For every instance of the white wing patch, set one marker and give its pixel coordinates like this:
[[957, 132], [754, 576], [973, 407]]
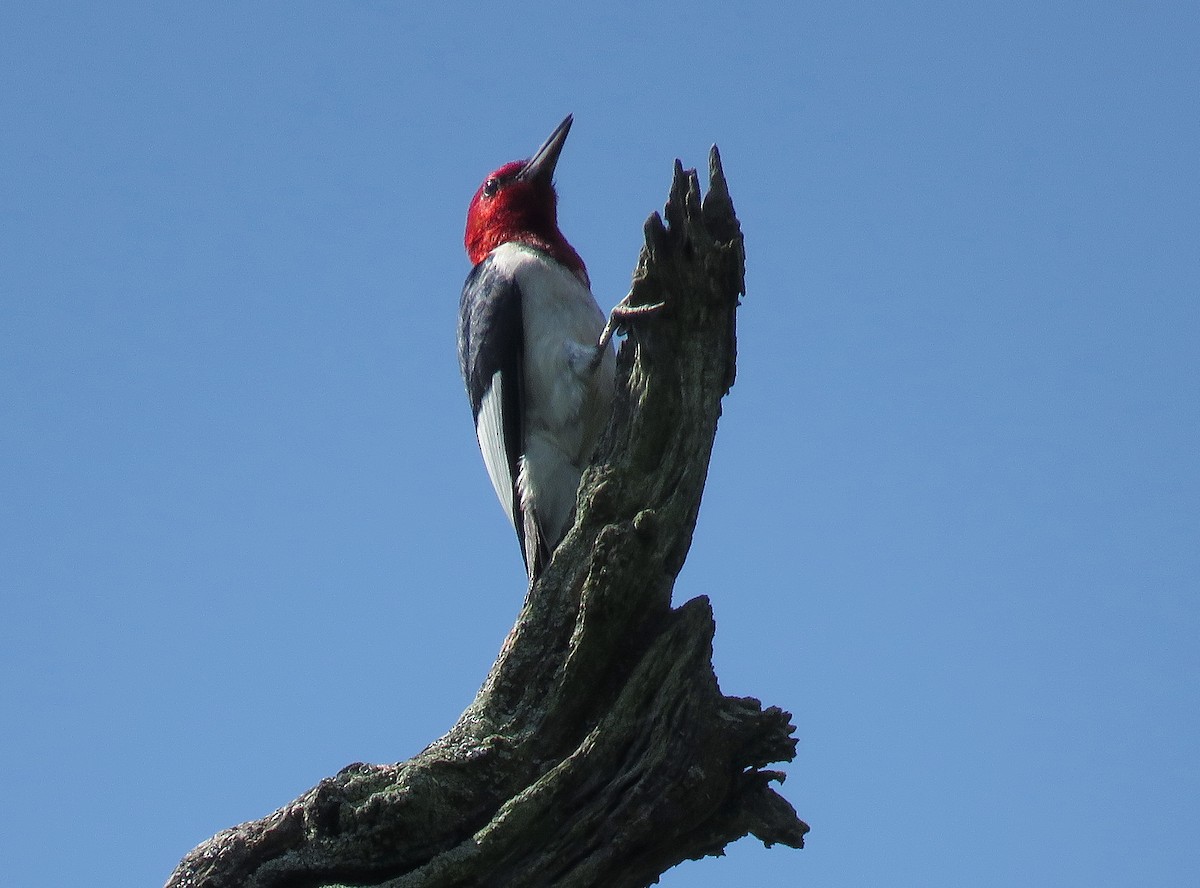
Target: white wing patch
[[489, 428]]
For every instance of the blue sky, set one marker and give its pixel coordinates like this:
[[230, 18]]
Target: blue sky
[[953, 514]]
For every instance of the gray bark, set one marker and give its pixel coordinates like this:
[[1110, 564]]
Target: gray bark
[[600, 750]]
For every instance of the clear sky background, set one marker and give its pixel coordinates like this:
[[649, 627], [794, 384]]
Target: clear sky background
[[953, 516]]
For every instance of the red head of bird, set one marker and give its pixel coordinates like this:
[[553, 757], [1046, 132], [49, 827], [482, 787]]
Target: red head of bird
[[517, 202]]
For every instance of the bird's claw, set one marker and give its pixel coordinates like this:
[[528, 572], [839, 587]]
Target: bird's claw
[[618, 321]]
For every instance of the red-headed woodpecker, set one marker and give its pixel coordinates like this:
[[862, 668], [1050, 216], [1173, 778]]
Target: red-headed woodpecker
[[534, 350]]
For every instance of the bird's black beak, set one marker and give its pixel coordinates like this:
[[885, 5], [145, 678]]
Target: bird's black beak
[[540, 167]]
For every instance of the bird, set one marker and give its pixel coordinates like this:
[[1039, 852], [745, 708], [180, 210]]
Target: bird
[[534, 349]]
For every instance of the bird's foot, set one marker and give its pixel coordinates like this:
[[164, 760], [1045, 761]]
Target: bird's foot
[[619, 320]]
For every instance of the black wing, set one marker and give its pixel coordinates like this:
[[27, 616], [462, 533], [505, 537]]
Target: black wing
[[490, 350]]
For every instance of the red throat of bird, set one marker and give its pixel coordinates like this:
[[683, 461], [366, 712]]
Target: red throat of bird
[[507, 208]]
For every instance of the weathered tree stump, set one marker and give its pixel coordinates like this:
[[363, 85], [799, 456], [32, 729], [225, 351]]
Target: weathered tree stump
[[600, 750]]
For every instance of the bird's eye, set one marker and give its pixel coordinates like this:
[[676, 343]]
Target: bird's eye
[[491, 186]]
